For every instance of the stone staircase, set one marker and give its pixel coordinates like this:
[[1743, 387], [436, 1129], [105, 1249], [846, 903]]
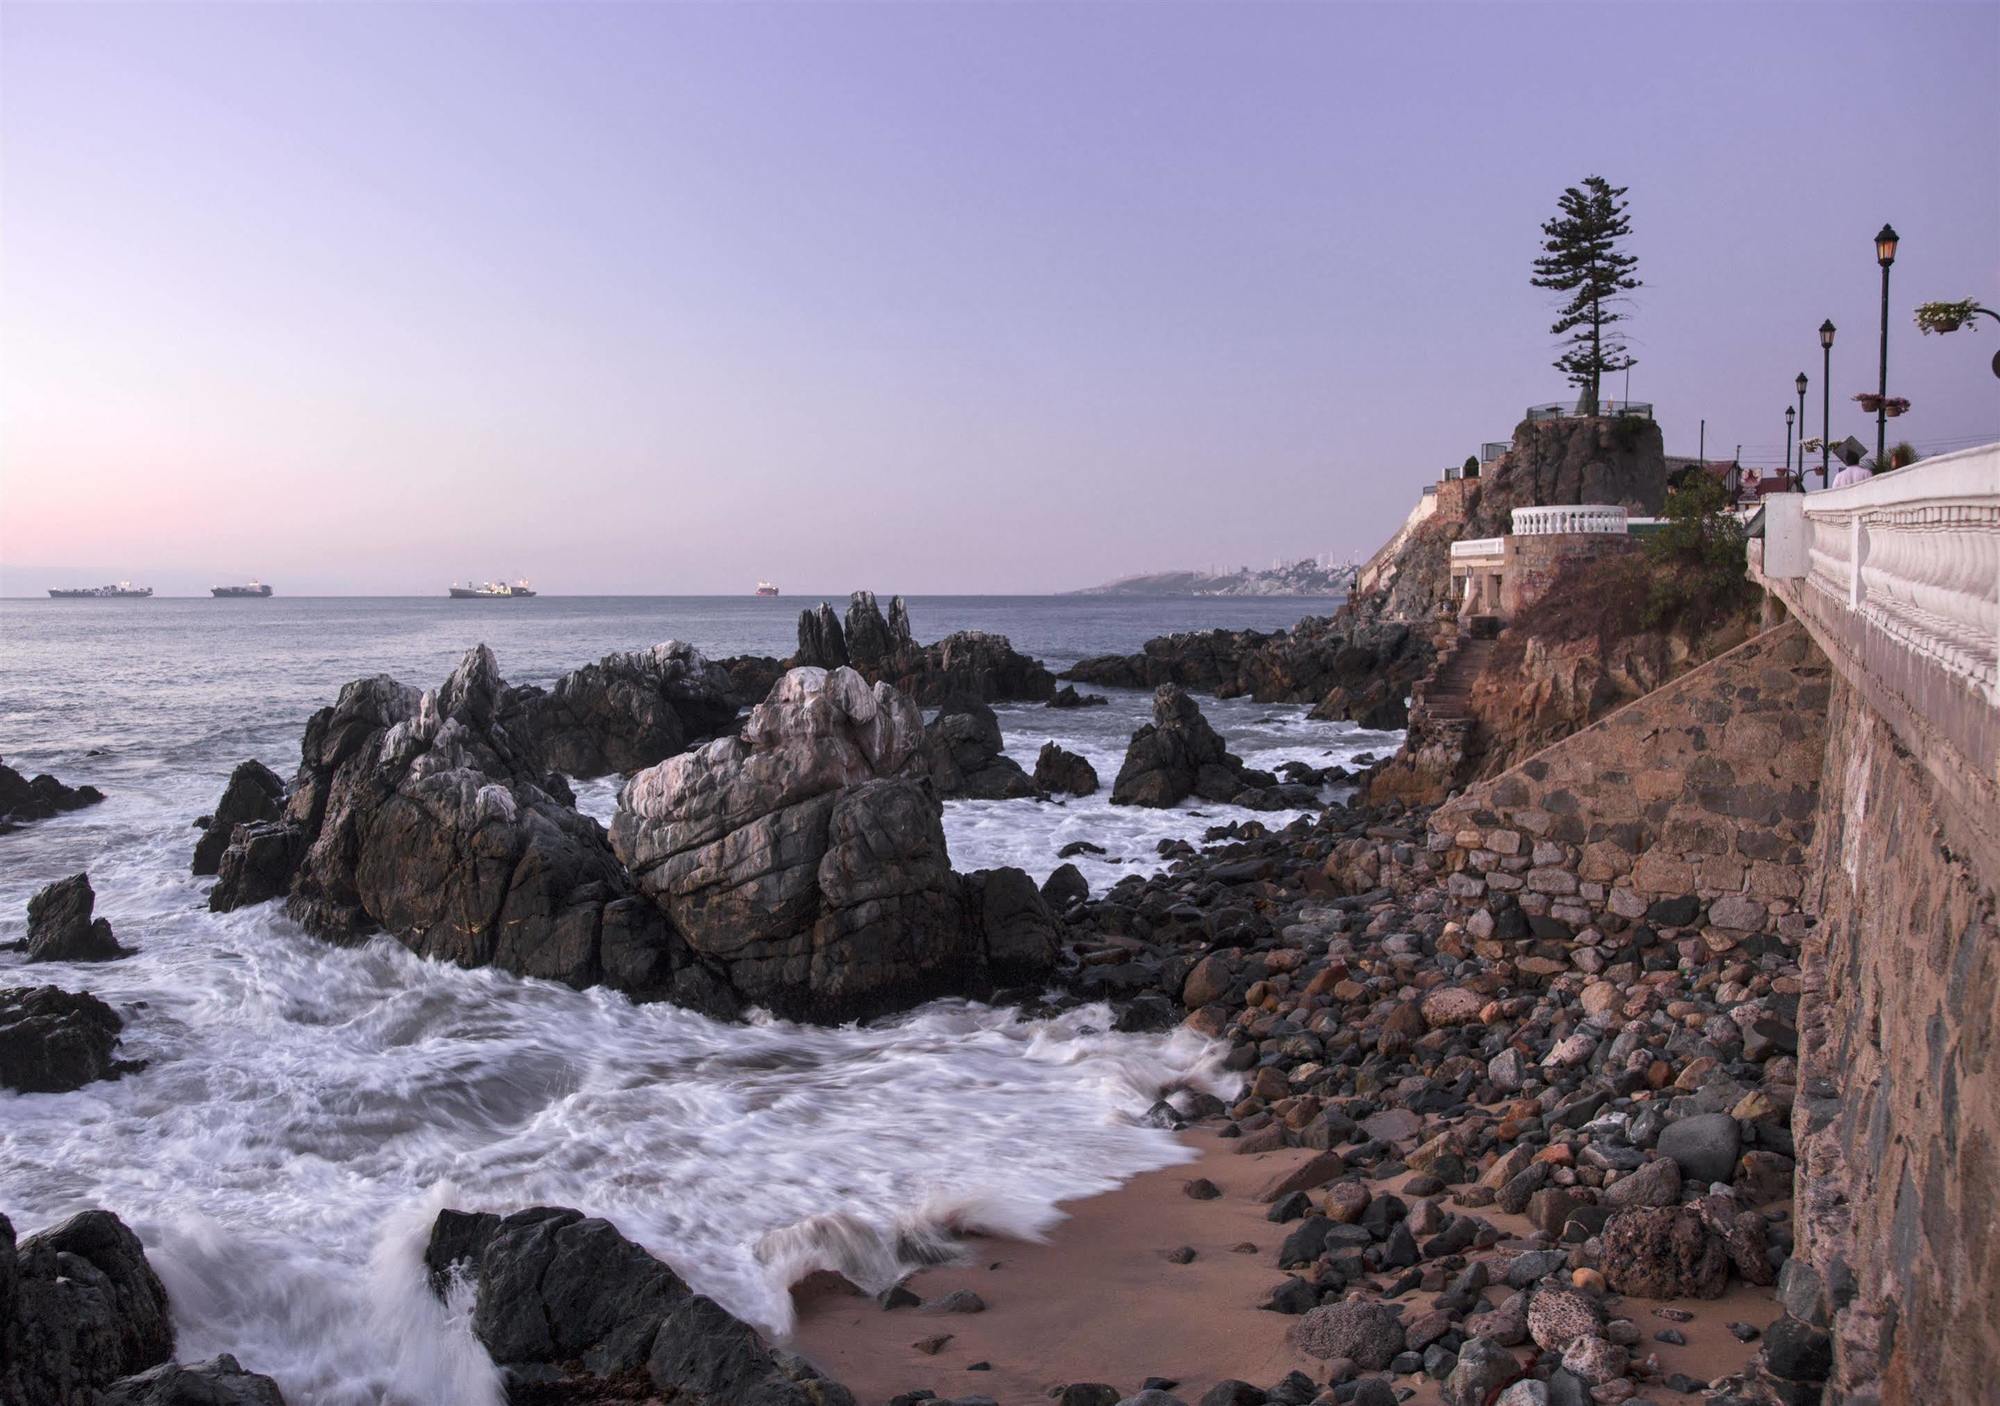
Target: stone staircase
[[1447, 692]]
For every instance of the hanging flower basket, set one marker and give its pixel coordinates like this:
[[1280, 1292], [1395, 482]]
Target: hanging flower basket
[[1895, 405], [1946, 316], [1869, 401]]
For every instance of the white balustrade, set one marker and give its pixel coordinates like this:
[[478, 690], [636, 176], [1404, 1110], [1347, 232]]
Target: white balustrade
[[1916, 553], [1477, 547], [1570, 517]]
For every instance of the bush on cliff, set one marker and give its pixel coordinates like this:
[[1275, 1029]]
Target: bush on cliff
[[1697, 560]]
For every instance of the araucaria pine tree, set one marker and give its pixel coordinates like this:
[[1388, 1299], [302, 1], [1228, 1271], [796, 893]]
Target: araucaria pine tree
[[1581, 258]]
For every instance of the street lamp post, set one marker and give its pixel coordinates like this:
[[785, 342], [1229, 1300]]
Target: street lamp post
[[1788, 440], [1799, 483], [1885, 255], [1825, 398]]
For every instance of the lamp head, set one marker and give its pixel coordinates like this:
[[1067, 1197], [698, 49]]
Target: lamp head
[[1790, 415], [1801, 383], [1826, 334], [1885, 246]]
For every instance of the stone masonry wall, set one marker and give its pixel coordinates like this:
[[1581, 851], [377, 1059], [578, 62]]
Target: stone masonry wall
[[1691, 808], [1898, 1122], [1533, 561]]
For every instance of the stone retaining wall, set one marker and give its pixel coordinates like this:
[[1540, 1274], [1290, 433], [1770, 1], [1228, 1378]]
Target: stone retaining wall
[[1898, 1123], [1691, 808]]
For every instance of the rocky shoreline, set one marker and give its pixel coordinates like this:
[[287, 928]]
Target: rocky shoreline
[[1511, 1127]]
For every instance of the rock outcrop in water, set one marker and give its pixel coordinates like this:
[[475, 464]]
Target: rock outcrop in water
[[422, 815], [568, 1306], [53, 1041], [61, 928], [881, 649], [962, 757], [624, 712], [84, 1322], [799, 858], [1350, 666], [1178, 755], [1059, 770], [23, 800], [254, 795]]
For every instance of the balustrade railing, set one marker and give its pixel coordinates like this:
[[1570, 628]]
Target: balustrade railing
[[1571, 517], [1476, 547], [1916, 555]]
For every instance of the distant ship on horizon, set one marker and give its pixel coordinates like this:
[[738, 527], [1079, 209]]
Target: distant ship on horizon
[[122, 590], [254, 589], [765, 588], [491, 590]]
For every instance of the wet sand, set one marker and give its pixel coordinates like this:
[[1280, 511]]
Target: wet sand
[[1099, 1301]]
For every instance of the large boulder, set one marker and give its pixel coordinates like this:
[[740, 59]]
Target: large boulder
[[79, 1308], [962, 755], [624, 712], [801, 860], [254, 795], [258, 865], [560, 1299], [61, 928], [220, 1381], [52, 1041], [421, 814], [1366, 1331], [23, 800], [1178, 755], [1059, 770], [1664, 1252]]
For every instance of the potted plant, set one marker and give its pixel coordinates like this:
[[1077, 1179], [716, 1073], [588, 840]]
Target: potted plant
[[1949, 316], [1895, 405], [1869, 401]]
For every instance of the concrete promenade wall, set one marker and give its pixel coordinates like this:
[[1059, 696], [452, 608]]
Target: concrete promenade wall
[[1692, 807], [1898, 1119]]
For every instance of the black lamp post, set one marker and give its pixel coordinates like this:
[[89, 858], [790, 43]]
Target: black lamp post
[[1885, 255], [1799, 483], [1788, 440], [1825, 398]]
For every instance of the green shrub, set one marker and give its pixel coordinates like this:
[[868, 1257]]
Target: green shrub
[[1697, 559]]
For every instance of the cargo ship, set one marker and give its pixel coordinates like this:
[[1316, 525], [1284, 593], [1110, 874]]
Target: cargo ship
[[123, 590], [491, 590], [765, 588], [255, 590]]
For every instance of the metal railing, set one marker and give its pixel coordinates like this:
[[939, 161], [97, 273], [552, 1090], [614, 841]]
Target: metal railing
[[1570, 517], [1492, 449], [1573, 410]]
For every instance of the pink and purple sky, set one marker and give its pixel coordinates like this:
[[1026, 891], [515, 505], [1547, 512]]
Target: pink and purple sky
[[966, 297]]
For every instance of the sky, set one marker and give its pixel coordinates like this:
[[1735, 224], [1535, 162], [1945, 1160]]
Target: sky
[[666, 298]]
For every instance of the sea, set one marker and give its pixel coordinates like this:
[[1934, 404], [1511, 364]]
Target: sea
[[307, 1109]]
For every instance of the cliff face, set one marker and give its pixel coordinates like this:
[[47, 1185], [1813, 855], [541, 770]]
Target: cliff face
[[1600, 460]]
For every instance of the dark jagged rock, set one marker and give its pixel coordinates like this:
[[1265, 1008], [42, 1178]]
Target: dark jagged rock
[[79, 1308], [422, 815], [1350, 665], [751, 676], [799, 858], [23, 800], [822, 642], [560, 1300], [61, 929], [52, 1041], [1059, 770], [1665, 1252], [1064, 888], [1178, 755], [254, 795], [1068, 697], [881, 649], [220, 1381], [258, 865], [1572, 460], [624, 712], [962, 756]]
